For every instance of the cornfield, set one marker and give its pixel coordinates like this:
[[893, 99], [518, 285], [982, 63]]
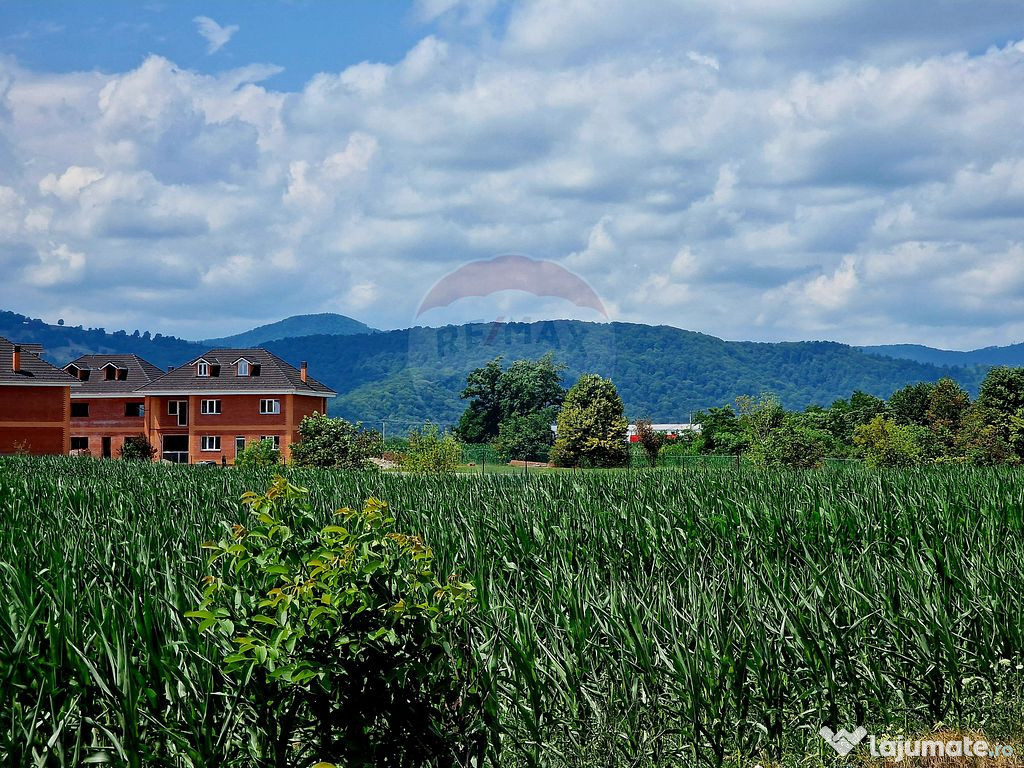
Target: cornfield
[[649, 618]]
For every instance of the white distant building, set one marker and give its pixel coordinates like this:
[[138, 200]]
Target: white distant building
[[671, 430]]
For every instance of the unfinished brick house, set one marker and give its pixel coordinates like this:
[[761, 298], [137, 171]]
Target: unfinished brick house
[[35, 402], [106, 407], [215, 405]]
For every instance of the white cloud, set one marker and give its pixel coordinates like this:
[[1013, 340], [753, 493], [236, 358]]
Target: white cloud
[[70, 183], [215, 35], [760, 170], [59, 265]]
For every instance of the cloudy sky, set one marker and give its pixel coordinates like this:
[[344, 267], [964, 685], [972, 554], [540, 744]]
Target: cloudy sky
[[753, 169]]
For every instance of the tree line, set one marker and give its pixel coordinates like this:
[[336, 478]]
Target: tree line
[[513, 409]]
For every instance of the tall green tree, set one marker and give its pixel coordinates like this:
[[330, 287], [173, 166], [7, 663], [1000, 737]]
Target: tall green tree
[[909, 405], [1001, 396], [947, 406], [721, 431], [591, 426], [480, 421], [531, 386], [526, 387]]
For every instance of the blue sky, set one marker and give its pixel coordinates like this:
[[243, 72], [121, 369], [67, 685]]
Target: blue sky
[[302, 37], [753, 169]]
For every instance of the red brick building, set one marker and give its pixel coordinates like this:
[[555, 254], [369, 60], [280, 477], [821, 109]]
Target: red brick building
[[35, 402], [106, 407], [215, 405]]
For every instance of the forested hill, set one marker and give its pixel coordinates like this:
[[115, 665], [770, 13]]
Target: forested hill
[[662, 372], [298, 325], [63, 343], [411, 375], [1012, 355]]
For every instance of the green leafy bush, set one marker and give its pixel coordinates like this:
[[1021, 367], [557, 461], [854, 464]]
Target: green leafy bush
[[348, 640], [888, 444], [332, 443], [258, 454], [431, 450], [527, 437], [137, 448]]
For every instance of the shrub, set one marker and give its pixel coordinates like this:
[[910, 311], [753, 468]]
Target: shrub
[[888, 444], [673, 453], [526, 437], [137, 448], [349, 639], [796, 446], [649, 440], [259, 454], [430, 450], [331, 443]]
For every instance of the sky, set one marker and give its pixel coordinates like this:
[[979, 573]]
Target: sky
[[753, 169]]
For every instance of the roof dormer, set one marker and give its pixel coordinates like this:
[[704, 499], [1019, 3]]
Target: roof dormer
[[80, 372], [114, 372]]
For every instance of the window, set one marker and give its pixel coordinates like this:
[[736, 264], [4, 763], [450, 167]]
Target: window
[[210, 407], [110, 373], [275, 439], [80, 410], [178, 408], [79, 443], [210, 442], [243, 367], [203, 369], [134, 410], [270, 406]]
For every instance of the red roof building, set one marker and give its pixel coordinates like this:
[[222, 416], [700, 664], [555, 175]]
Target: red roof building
[[214, 406], [35, 402], [106, 407]]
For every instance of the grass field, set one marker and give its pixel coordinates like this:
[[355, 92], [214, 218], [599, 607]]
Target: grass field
[[646, 618]]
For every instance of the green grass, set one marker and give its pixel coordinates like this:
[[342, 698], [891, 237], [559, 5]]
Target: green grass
[[642, 618]]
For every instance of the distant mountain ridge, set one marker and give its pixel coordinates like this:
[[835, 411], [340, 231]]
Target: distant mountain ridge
[[1012, 355], [325, 323], [663, 373]]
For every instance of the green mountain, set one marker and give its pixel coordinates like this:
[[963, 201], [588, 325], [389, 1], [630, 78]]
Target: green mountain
[[63, 343], [987, 356], [411, 375], [298, 325], [663, 373]]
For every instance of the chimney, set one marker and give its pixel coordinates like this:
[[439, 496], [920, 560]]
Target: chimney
[[303, 371], [16, 358]]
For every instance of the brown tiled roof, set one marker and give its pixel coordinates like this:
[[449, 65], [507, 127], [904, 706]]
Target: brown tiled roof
[[275, 375], [138, 372], [33, 369]]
